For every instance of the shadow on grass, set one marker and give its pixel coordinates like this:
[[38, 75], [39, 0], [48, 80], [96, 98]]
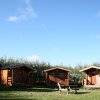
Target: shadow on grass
[[82, 93], [32, 89], [42, 90], [15, 98]]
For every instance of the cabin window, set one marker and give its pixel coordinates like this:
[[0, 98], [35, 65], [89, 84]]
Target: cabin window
[[53, 74], [61, 74], [9, 73], [94, 73], [99, 72], [22, 73]]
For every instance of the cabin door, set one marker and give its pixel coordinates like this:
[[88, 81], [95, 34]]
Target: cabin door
[[93, 80], [9, 78]]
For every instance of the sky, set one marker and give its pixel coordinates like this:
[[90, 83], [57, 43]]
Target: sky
[[56, 31]]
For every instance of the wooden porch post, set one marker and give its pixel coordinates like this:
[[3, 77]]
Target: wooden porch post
[[68, 79], [86, 79], [46, 78], [0, 73], [7, 77], [12, 77], [0, 76], [82, 79]]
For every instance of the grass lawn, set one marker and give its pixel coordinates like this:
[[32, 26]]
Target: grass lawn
[[38, 93]]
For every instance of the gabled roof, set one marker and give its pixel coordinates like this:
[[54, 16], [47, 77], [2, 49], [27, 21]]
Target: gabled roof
[[56, 68], [17, 66], [95, 67]]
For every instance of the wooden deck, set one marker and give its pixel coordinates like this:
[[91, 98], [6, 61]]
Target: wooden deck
[[92, 86]]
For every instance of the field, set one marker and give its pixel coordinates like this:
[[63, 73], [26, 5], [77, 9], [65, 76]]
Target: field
[[38, 93]]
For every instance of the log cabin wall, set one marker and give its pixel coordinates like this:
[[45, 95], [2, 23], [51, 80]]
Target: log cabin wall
[[21, 76], [0, 72], [92, 77], [4, 77], [57, 76], [16, 76], [98, 78]]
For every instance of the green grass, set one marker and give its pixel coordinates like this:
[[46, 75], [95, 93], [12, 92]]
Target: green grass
[[38, 93]]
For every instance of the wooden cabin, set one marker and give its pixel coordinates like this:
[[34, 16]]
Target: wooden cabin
[[16, 75], [92, 76], [57, 75]]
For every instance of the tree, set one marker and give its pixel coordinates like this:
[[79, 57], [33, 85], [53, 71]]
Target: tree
[[39, 76]]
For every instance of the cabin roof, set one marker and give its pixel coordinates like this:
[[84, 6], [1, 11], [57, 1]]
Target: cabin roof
[[85, 69], [17, 66], [47, 70]]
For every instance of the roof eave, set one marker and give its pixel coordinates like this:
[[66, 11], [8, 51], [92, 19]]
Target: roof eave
[[56, 68], [83, 70]]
